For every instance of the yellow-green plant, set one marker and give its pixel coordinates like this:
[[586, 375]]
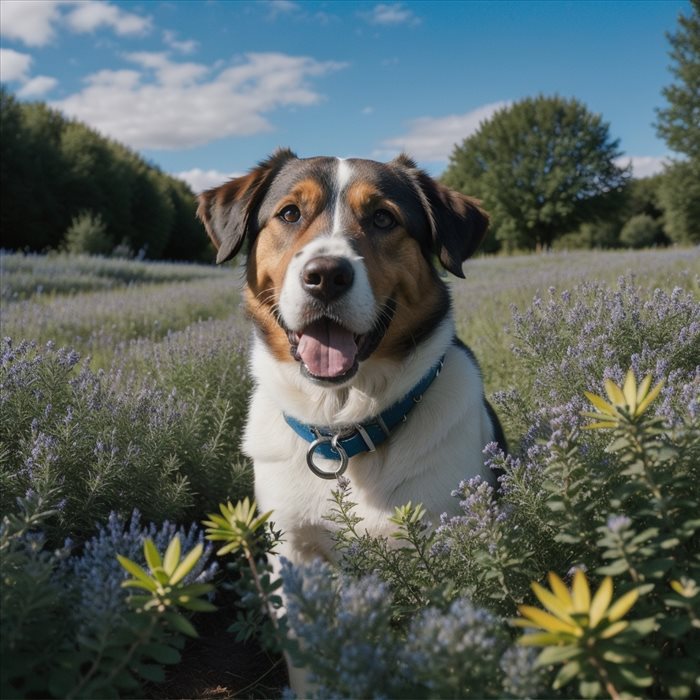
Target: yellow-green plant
[[164, 586], [627, 403], [241, 529], [579, 630]]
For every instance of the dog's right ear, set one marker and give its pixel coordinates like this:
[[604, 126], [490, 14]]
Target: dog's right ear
[[227, 211]]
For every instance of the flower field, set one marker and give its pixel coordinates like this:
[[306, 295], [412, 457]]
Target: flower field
[[124, 389]]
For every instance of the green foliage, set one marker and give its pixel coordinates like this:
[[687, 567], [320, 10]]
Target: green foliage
[[679, 123], [541, 167], [641, 231], [679, 195], [630, 514], [87, 233], [64, 426], [163, 583], [591, 234], [50, 651], [53, 168]]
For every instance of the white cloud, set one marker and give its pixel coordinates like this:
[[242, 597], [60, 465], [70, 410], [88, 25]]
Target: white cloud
[[89, 15], [185, 46], [200, 180], [643, 166], [38, 86], [391, 14], [166, 71], [14, 65], [35, 22], [281, 7], [433, 138], [179, 105], [29, 21]]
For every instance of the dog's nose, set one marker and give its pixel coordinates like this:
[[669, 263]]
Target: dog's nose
[[326, 277]]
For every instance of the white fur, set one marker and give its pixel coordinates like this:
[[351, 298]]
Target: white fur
[[343, 174], [425, 459], [357, 307]]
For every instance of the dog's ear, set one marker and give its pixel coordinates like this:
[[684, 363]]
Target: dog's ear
[[457, 223], [227, 211]]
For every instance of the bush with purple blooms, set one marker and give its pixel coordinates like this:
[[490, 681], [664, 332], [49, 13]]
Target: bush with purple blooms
[[68, 630], [166, 444], [432, 611], [428, 613]]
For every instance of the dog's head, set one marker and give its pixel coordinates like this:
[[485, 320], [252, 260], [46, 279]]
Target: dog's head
[[340, 255]]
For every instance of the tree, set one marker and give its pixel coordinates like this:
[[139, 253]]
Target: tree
[[641, 231], [679, 195], [52, 170], [542, 167], [679, 125]]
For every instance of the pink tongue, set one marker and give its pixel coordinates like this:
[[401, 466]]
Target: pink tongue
[[327, 349]]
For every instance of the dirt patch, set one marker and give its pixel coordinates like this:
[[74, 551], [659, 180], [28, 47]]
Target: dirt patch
[[215, 666]]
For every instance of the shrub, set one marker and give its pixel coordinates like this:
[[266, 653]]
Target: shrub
[[87, 233], [69, 629], [426, 612], [572, 341], [426, 616], [65, 427], [641, 231]]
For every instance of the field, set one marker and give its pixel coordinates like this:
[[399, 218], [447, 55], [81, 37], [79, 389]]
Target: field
[[125, 384]]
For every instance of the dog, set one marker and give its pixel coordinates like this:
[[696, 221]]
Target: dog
[[356, 364]]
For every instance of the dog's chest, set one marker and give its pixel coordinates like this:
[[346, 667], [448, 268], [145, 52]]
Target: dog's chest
[[424, 460]]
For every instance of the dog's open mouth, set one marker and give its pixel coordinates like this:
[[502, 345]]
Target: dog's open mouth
[[330, 352], [327, 350]]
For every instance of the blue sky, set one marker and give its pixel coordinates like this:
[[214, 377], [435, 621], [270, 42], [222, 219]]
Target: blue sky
[[206, 89]]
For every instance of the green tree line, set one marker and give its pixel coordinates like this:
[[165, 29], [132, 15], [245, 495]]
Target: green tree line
[[64, 186], [547, 169]]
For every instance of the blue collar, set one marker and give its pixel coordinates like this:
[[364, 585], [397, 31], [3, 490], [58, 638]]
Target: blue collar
[[342, 443]]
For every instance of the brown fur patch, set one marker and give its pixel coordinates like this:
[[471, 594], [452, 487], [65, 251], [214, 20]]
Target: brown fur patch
[[270, 256], [396, 265], [397, 269]]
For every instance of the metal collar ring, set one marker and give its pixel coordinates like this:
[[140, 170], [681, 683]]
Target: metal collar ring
[[337, 447]]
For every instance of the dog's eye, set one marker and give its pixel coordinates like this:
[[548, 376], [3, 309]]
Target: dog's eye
[[290, 214], [383, 219]]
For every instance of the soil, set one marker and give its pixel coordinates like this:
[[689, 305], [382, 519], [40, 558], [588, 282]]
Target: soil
[[215, 666]]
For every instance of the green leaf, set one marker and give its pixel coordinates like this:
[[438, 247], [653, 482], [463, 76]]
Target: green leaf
[[553, 655], [589, 689], [172, 555], [195, 589], [61, 681], [566, 674], [133, 568], [196, 604], [180, 623], [152, 556], [636, 675], [124, 679], [162, 653], [614, 569], [187, 564], [150, 672], [145, 585], [641, 627]]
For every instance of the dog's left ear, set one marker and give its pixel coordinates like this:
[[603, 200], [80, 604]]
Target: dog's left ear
[[226, 211], [458, 223]]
